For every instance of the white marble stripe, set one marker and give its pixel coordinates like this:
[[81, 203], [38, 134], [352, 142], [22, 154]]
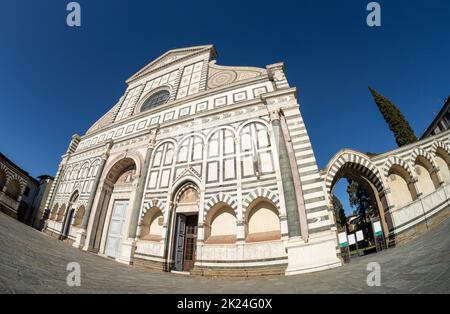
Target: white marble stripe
[[301, 137], [316, 204], [306, 160], [312, 186], [313, 195], [294, 133], [317, 214], [302, 145], [310, 177], [319, 224]]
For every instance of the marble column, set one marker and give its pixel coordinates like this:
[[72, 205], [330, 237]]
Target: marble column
[[293, 218], [52, 194], [141, 186], [296, 178], [81, 234]]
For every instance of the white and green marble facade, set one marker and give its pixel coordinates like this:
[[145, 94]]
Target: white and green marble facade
[[235, 135], [215, 132]]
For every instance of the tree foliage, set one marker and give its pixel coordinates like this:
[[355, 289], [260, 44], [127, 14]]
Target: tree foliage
[[360, 199], [398, 124], [339, 213], [364, 206]]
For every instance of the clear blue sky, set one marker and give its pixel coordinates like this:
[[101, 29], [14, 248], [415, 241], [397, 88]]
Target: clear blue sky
[[56, 80]]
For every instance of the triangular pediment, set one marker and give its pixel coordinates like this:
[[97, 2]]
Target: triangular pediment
[[171, 57], [188, 172]]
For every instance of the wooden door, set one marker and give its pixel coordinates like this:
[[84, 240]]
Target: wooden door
[[190, 243], [179, 242]]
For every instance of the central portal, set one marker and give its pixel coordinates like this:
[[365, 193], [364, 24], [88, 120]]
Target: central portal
[[186, 225]]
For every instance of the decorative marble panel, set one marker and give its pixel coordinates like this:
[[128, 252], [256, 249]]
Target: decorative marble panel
[[221, 101], [201, 106], [241, 96]]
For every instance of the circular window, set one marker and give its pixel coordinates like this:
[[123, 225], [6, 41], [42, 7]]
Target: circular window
[[156, 99]]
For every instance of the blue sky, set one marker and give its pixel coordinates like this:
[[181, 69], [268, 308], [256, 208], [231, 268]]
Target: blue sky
[[56, 80]]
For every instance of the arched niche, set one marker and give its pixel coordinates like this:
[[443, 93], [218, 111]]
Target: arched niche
[[262, 221], [220, 225], [78, 218], [442, 159], [152, 225], [426, 177], [401, 186], [61, 213]]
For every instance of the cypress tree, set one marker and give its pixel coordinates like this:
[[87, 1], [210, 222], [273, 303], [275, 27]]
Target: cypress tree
[[403, 132], [339, 213]]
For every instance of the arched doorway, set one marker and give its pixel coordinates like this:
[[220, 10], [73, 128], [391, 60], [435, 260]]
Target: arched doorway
[[185, 227], [65, 230], [108, 228], [369, 202]]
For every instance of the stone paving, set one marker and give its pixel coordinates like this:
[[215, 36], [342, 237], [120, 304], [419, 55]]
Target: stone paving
[[32, 262]]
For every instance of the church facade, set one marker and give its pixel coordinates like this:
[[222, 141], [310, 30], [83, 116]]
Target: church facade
[[198, 168], [209, 170]]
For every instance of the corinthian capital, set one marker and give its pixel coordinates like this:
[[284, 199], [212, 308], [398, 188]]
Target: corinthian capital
[[274, 115], [152, 137]]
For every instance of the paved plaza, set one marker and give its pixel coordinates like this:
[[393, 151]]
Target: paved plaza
[[32, 262]]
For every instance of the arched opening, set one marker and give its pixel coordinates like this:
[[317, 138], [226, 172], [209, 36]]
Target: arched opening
[[426, 176], [152, 225], [114, 200], [402, 187], [443, 162], [61, 213], [13, 189], [185, 216], [364, 218], [262, 221], [220, 225], [65, 231], [54, 212], [78, 219], [2, 179]]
